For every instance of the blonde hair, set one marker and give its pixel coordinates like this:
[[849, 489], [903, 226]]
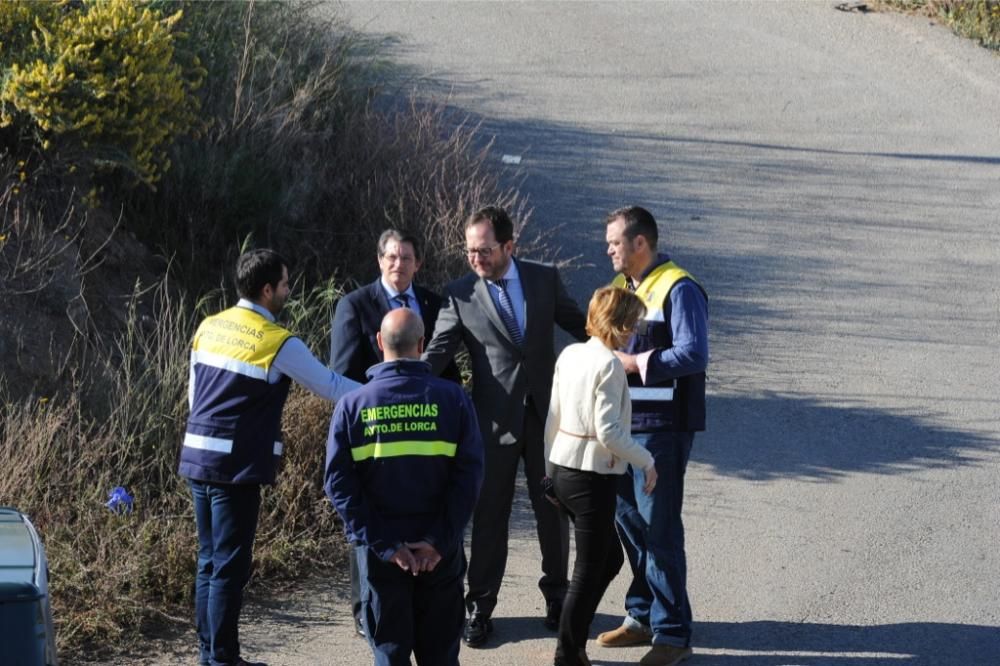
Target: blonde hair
[[612, 314]]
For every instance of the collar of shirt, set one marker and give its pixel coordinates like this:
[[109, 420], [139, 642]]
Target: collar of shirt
[[393, 293], [511, 275], [259, 309], [661, 258], [401, 366]]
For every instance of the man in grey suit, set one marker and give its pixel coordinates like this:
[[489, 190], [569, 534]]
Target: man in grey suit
[[505, 312]]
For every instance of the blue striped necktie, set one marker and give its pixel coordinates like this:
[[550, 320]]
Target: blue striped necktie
[[507, 313], [404, 300]]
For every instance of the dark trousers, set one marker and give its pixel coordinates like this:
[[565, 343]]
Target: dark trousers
[[589, 498], [352, 564], [652, 532], [491, 521], [405, 614], [227, 522]]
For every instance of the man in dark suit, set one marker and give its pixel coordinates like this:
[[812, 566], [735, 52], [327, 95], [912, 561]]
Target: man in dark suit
[[356, 321], [505, 312]]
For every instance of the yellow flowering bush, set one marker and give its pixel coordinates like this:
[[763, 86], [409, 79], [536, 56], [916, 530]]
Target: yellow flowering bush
[[98, 79]]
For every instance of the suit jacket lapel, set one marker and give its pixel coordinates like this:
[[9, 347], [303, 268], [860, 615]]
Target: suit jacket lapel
[[380, 298], [482, 295], [425, 309]]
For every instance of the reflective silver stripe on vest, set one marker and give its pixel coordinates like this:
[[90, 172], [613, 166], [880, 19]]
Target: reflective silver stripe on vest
[[208, 443], [219, 445], [230, 364], [646, 393]]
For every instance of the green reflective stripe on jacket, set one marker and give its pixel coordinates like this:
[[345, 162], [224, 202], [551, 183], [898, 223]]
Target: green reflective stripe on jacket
[[406, 448]]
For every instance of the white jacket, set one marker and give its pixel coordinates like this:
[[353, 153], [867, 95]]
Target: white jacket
[[590, 413]]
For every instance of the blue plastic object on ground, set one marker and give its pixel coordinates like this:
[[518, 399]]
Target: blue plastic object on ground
[[119, 500]]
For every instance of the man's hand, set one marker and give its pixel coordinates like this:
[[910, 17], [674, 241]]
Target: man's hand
[[425, 555], [628, 360], [404, 559]]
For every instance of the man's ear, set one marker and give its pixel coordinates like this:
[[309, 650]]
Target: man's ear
[[420, 345], [378, 339], [266, 294]]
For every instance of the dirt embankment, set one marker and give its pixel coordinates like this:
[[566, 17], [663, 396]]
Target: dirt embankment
[[66, 292]]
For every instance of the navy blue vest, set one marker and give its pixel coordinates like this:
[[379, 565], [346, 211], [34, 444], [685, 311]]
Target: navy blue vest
[[234, 429], [684, 410]]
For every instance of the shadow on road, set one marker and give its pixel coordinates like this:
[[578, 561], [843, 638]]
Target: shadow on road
[[773, 643], [776, 436]]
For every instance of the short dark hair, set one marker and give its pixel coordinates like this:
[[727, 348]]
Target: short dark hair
[[503, 228], [400, 237], [256, 268], [638, 222]]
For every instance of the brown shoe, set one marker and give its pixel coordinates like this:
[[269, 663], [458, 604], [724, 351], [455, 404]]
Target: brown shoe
[[623, 637], [665, 655]]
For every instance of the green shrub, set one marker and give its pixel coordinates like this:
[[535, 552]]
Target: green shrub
[[97, 83]]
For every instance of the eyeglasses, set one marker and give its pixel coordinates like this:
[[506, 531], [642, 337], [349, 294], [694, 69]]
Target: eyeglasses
[[401, 258], [483, 252]]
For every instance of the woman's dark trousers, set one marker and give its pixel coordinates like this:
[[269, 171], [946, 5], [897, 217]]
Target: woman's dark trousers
[[589, 499]]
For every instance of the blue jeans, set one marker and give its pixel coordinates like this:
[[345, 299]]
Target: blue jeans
[[227, 522], [652, 532], [405, 614]]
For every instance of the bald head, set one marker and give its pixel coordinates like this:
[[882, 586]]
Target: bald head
[[401, 335]]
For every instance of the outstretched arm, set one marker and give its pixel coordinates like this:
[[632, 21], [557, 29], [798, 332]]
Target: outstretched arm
[[443, 344]]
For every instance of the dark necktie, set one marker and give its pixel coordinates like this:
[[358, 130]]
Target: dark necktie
[[403, 300], [507, 313]]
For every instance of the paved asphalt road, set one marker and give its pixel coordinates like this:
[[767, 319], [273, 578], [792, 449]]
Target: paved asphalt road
[[834, 180]]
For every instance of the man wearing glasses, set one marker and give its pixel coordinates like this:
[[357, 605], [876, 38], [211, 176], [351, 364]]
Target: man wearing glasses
[[505, 312], [356, 321]]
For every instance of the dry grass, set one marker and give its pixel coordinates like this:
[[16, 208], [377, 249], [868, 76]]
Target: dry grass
[[975, 19]]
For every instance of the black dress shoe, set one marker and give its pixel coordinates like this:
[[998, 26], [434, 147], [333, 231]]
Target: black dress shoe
[[477, 631], [359, 628], [553, 610]]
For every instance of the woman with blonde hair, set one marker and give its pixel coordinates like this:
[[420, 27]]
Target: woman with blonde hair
[[587, 447]]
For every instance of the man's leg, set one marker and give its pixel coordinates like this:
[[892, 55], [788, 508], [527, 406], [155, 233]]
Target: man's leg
[[438, 612], [488, 548], [234, 510], [551, 524], [352, 562], [203, 519], [387, 608], [666, 563], [632, 530]]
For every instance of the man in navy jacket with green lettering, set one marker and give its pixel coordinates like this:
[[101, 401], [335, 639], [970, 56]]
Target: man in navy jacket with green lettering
[[404, 466]]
